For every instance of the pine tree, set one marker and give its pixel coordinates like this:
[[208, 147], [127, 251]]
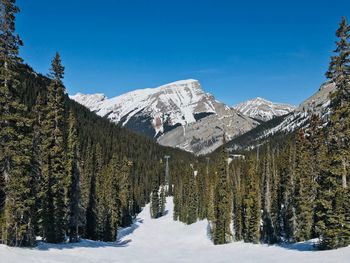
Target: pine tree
[[125, 193], [16, 209], [223, 204], [177, 190], [287, 191], [336, 213], [303, 190], [155, 202], [192, 200], [54, 173], [162, 199], [251, 206], [36, 160], [268, 231], [115, 203], [91, 231], [237, 200], [317, 154], [76, 219]]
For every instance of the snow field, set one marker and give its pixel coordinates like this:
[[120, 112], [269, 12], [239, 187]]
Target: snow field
[[163, 240]]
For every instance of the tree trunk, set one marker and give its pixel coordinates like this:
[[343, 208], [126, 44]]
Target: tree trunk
[[344, 175]]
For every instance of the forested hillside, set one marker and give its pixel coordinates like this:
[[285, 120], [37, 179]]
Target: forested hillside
[[66, 173], [290, 188], [63, 170]]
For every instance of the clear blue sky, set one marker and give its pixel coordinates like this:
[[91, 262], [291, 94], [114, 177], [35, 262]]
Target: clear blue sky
[[237, 49]]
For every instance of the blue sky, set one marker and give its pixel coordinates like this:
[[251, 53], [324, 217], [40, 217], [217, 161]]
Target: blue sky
[[238, 50]]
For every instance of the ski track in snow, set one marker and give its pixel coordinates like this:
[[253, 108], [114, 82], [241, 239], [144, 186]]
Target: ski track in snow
[[163, 240]]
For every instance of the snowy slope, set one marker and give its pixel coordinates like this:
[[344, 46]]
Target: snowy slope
[[179, 114], [262, 109], [171, 104], [317, 104], [163, 240]]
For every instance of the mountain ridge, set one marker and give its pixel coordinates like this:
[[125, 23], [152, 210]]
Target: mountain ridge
[[262, 109], [179, 114]]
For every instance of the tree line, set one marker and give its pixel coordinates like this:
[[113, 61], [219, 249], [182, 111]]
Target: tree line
[[281, 191], [65, 173]]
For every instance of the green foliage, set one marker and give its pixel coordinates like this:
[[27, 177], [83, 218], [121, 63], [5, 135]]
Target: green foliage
[[251, 205], [223, 205], [17, 200], [333, 208], [76, 212], [303, 190]]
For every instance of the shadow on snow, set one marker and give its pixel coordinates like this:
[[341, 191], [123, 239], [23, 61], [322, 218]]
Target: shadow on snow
[[85, 243]]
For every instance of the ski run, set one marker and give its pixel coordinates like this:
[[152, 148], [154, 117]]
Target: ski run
[[165, 240]]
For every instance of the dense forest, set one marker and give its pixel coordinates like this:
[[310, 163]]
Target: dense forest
[[64, 171], [288, 189]]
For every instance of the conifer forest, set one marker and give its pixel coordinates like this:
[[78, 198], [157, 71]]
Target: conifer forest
[[68, 174]]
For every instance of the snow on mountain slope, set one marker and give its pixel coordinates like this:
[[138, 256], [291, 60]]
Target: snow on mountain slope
[[262, 109], [179, 114], [164, 240], [177, 103], [317, 104]]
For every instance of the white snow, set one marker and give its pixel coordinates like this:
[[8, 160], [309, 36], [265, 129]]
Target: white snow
[[180, 100], [262, 109], [163, 240]]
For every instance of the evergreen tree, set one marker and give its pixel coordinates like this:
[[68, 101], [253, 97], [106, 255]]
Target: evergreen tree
[[76, 211], [268, 231], [16, 208], [162, 199], [336, 213], [223, 204], [251, 206], [155, 202], [54, 173], [192, 200], [125, 197], [237, 188], [303, 190], [36, 160], [91, 231]]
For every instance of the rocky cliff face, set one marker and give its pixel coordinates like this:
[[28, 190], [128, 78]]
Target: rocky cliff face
[[178, 114], [206, 135]]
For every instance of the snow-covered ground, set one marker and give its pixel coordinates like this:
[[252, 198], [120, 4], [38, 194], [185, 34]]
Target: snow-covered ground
[[163, 240]]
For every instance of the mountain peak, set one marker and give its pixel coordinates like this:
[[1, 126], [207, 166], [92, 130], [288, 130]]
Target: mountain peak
[[262, 109], [172, 104]]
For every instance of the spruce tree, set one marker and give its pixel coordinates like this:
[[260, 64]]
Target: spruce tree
[[16, 209], [125, 197], [76, 219], [268, 231], [36, 159], [192, 200], [336, 231], [237, 200], [155, 202], [251, 205], [223, 204], [162, 199], [91, 228], [303, 190], [54, 185]]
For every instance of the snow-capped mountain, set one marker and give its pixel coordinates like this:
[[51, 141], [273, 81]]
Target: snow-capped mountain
[[162, 108], [317, 104], [262, 109], [177, 107]]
